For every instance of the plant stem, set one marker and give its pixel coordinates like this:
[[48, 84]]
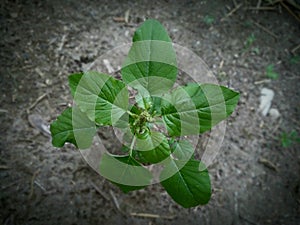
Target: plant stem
[[131, 114], [131, 145]]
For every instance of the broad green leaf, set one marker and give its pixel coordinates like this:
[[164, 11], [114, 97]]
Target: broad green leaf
[[151, 62], [151, 30], [125, 172], [143, 102], [153, 149], [103, 98], [72, 126], [188, 186], [195, 108], [183, 150], [74, 79]]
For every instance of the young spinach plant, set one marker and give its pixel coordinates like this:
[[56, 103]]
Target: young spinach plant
[[270, 73], [154, 126], [288, 139]]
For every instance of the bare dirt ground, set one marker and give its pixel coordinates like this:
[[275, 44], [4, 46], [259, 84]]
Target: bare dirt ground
[[255, 180]]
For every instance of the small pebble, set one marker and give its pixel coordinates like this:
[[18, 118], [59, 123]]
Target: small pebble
[[274, 114]]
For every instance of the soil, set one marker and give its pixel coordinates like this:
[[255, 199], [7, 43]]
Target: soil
[[255, 179]]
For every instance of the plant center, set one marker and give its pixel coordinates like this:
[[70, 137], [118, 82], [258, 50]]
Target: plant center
[[140, 126]]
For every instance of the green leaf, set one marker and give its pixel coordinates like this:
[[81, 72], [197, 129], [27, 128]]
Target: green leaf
[[288, 139], [74, 79], [125, 172], [295, 59], [271, 73], [188, 186], [153, 149], [209, 19], [151, 62], [103, 98], [183, 150], [72, 126], [151, 30], [195, 108], [249, 41]]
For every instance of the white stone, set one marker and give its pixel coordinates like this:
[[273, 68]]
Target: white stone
[[266, 98], [274, 113]]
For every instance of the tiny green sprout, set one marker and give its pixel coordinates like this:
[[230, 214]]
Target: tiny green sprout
[[256, 50], [208, 20], [249, 42], [270, 73], [247, 23], [295, 59], [155, 127], [288, 139]]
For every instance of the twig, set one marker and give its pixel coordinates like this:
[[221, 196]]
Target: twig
[[32, 184], [268, 164], [295, 49], [218, 190], [294, 3], [36, 102], [4, 167], [221, 64], [62, 42], [266, 30], [276, 127], [108, 66], [99, 191], [39, 72], [258, 5], [40, 186], [262, 81], [290, 11], [236, 207], [126, 17], [119, 19], [115, 200], [261, 8], [130, 25], [232, 11], [234, 3], [148, 215], [3, 111]]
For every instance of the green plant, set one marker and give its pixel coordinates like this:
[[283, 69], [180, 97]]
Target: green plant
[[209, 20], [101, 100], [255, 50], [295, 59], [249, 42], [270, 73], [288, 139]]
